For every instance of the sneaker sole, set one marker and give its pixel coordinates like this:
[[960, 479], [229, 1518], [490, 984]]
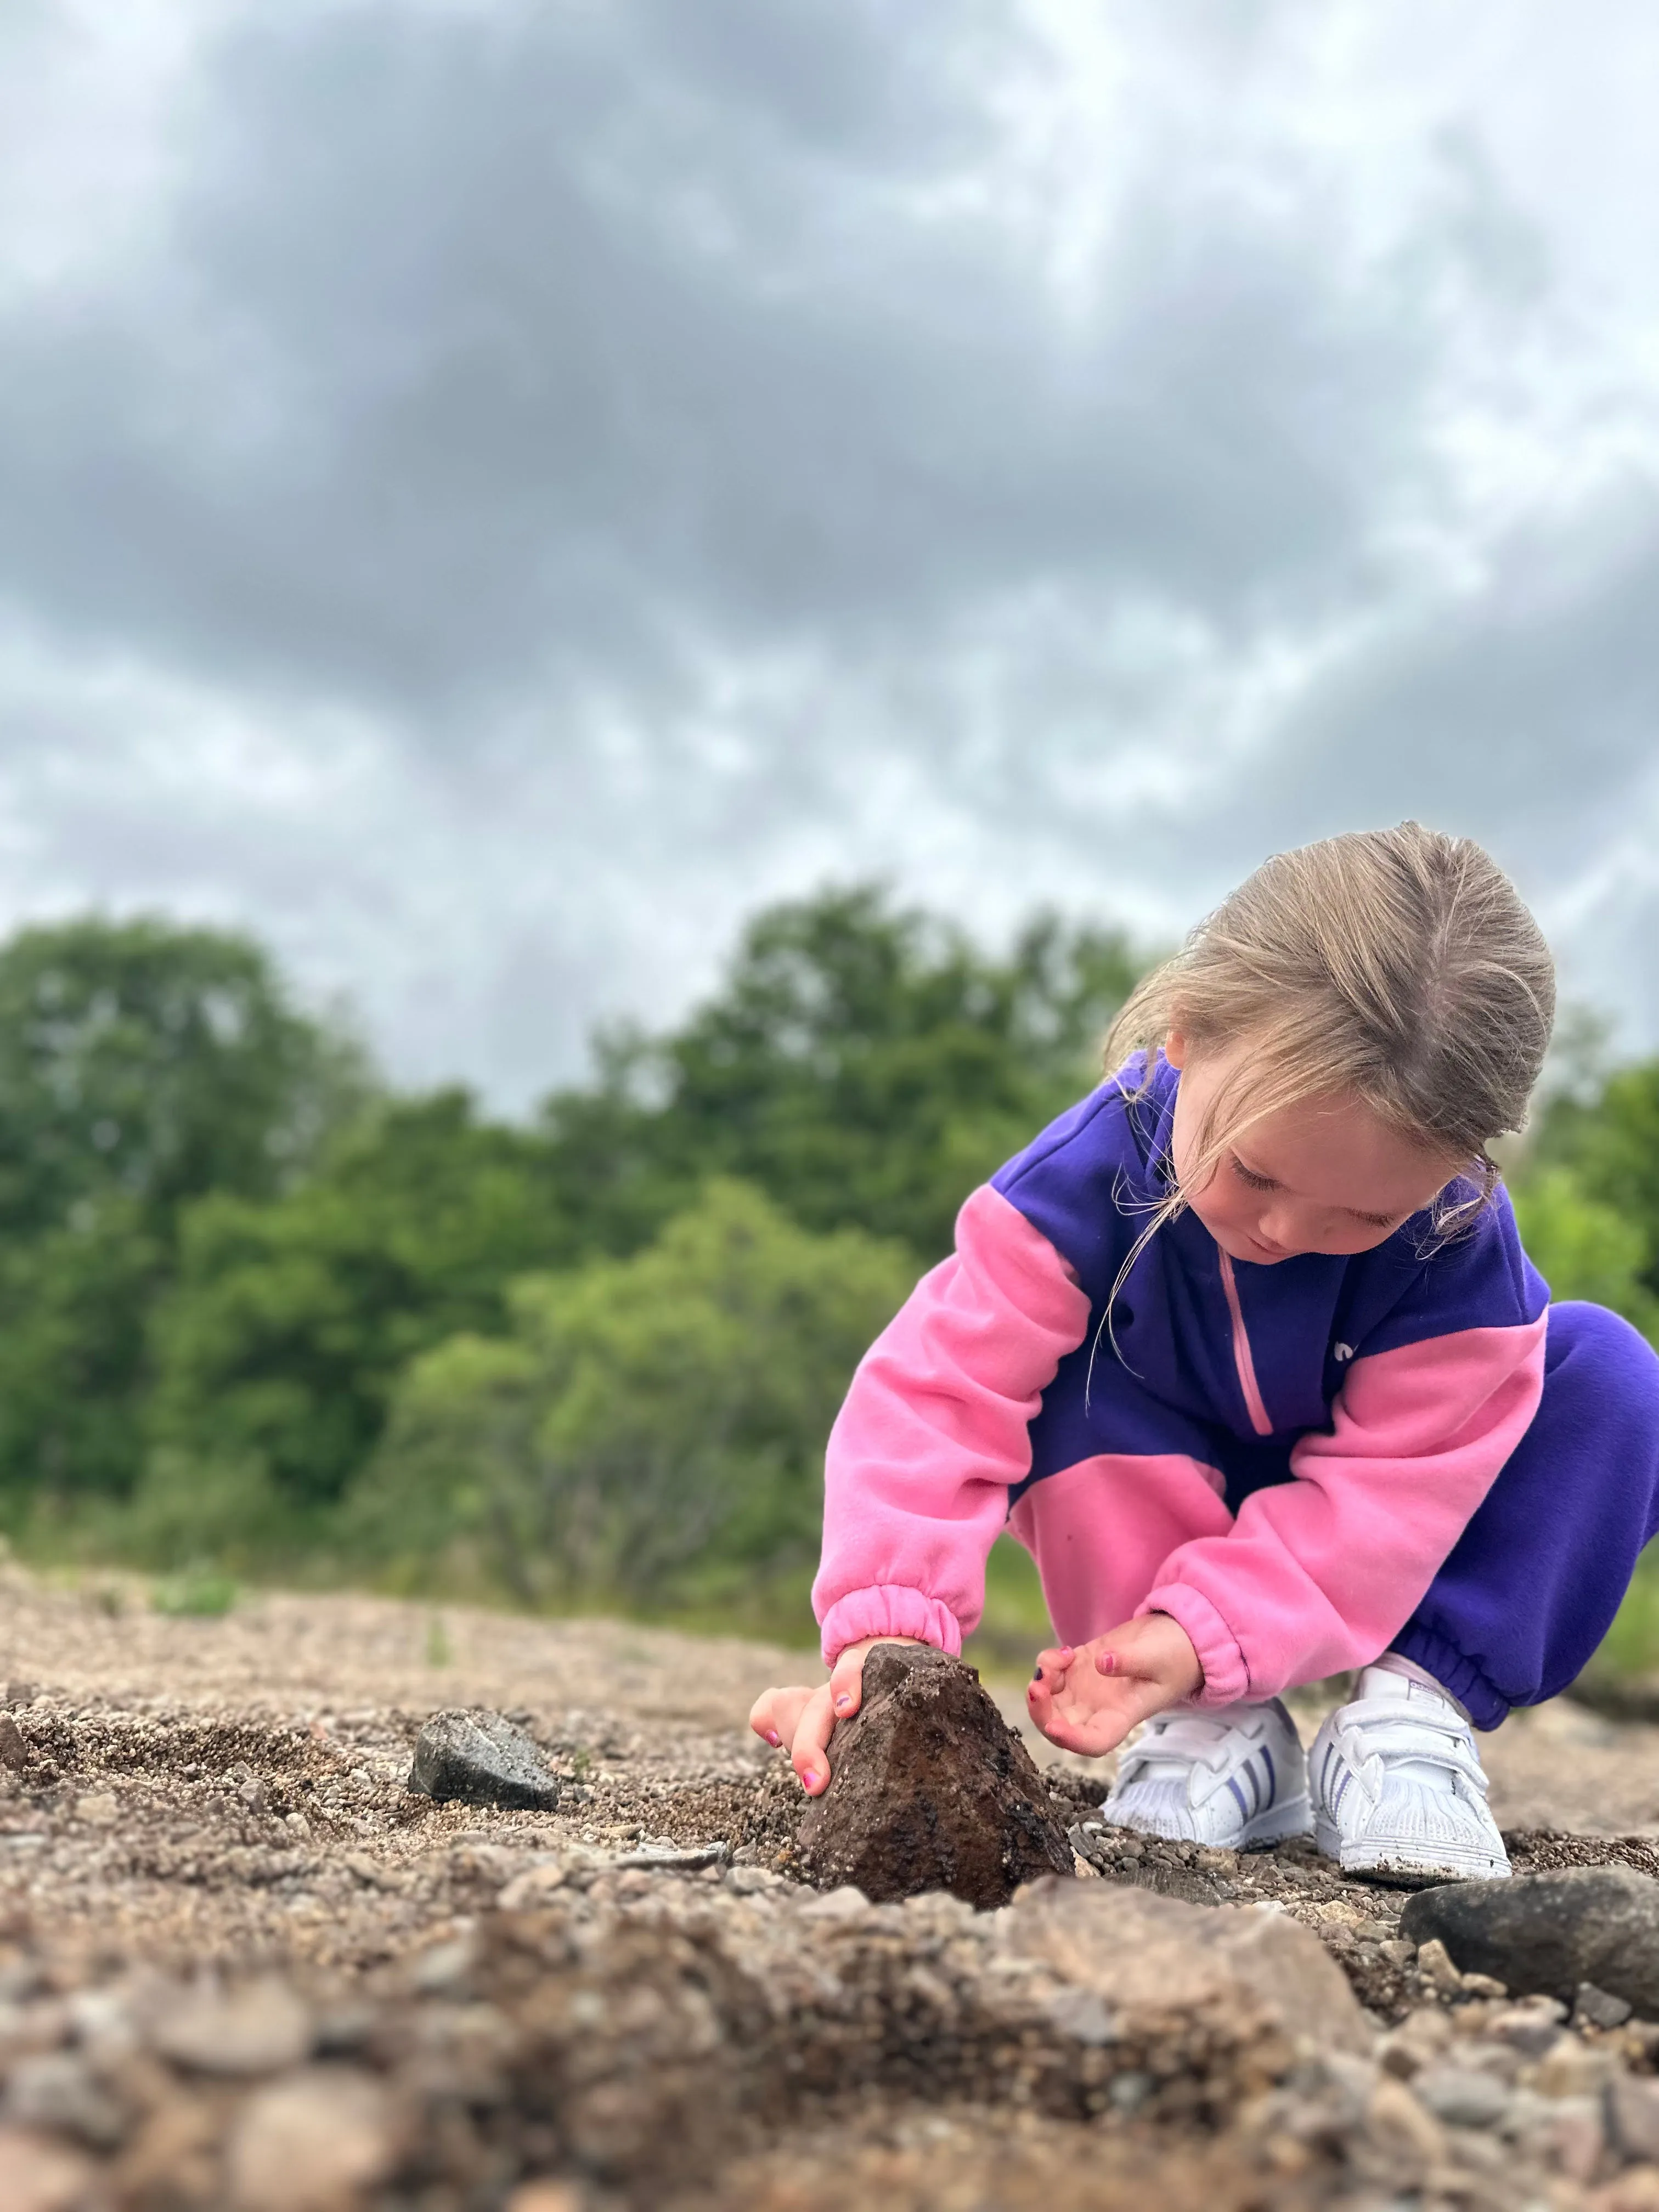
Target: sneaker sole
[[1396, 1870], [1294, 1817]]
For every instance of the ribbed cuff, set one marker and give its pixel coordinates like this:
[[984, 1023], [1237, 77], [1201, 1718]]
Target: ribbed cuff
[[1486, 1707], [889, 1609], [1226, 1677]]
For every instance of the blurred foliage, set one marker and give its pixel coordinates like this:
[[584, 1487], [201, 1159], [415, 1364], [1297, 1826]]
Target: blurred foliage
[[143, 1065], [1607, 1141], [648, 1427], [199, 1593], [1584, 1249], [150, 1062], [861, 1066], [288, 1322]]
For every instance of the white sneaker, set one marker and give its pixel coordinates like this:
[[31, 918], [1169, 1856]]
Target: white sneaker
[[1235, 1779], [1397, 1787]]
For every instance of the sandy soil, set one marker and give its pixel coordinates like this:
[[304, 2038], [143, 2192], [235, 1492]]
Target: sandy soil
[[236, 1782], [183, 1796]]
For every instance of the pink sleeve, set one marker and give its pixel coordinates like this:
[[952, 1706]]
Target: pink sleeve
[[935, 1428], [1321, 1573]]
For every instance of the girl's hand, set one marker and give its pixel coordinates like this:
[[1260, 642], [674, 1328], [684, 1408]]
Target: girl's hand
[[1087, 1699], [804, 1718]]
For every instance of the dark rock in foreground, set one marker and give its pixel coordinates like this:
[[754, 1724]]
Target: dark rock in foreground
[[1547, 1933], [479, 1759], [931, 1789]]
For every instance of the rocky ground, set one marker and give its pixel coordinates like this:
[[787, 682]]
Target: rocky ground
[[241, 1966]]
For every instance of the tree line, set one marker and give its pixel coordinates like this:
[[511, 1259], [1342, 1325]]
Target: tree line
[[260, 1309]]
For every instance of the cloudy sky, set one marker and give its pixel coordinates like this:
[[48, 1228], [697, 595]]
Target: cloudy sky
[[491, 490]]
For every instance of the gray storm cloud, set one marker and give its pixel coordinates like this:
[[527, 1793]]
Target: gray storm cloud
[[534, 483]]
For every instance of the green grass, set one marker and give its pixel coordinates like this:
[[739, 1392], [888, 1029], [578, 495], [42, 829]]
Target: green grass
[[196, 1594]]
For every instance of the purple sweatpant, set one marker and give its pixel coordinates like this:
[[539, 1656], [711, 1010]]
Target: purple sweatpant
[[1537, 1576]]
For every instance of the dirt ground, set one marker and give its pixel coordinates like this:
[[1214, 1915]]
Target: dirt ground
[[187, 1803]]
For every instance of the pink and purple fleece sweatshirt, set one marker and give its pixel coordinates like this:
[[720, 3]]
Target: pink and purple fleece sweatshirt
[[1280, 1457]]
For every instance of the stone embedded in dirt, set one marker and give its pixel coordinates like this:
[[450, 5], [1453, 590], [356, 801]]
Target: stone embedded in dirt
[[1633, 2116], [260, 2029], [314, 2142], [14, 1752], [1550, 1932], [1145, 1957], [479, 1759], [1598, 2009], [58, 2092], [37, 2175], [931, 1789]]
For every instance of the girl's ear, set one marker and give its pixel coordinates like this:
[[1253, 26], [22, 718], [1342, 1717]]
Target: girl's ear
[[1175, 1048]]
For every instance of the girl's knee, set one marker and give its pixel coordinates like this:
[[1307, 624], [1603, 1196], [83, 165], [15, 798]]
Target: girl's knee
[[1601, 1390], [1599, 1343]]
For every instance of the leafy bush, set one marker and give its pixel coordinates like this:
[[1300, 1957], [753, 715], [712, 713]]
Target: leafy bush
[[142, 1065], [279, 1345], [1583, 1249], [653, 1427]]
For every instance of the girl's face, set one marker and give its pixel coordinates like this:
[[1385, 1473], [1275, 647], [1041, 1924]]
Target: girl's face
[[1324, 1175]]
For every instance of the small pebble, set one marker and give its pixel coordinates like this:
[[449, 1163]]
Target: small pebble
[[1461, 2097], [1598, 2008]]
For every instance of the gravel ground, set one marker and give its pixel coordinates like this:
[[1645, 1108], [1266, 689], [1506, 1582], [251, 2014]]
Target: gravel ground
[[212, 1813]]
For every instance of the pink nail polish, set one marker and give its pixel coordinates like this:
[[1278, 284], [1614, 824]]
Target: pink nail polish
[[774, 1739], [843, 1705], [809, 1777]]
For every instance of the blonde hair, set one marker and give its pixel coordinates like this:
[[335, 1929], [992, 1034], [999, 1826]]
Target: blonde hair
[[1399, 967]]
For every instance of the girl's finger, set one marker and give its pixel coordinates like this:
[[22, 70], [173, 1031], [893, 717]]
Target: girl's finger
[[809, 1754], [776, 1713], [847, 1683]]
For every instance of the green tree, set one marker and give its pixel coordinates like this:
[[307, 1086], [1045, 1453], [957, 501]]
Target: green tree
[[864, 1066], [1609, 1142], [142, 1064], [648, 1423], [277, 1349], [155, 1063], [1582, 1249]]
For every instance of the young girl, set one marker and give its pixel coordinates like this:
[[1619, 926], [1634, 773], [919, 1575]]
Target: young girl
[[1246, 1351]]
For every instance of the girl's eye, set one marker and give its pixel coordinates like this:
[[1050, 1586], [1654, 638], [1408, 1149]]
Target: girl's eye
[[1249, 1176]]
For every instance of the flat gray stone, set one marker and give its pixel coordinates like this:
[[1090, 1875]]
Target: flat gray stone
[[1547, 1933], [479, 1759]]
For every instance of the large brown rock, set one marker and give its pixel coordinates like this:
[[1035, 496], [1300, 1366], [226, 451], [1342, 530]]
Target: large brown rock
[[930, 1789]]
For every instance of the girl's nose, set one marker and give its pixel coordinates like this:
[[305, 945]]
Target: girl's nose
[[1277, 1227]]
